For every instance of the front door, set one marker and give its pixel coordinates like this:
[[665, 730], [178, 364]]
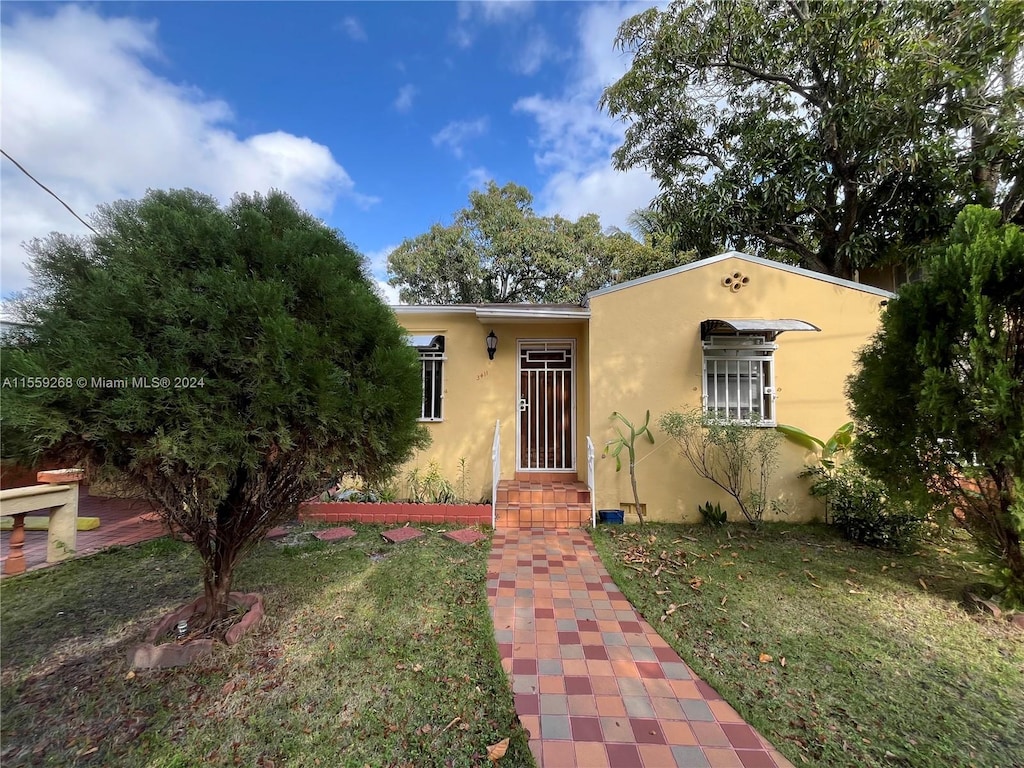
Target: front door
[[547, 396]]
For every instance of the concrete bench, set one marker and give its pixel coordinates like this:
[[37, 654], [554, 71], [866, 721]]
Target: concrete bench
[[59, 495]]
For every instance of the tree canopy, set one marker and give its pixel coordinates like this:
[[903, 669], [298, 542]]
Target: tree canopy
[[841, 133], [498, 250], [939, 394], [222, 360]]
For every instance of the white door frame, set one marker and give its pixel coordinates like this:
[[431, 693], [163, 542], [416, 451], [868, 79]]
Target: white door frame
[[561, 344]]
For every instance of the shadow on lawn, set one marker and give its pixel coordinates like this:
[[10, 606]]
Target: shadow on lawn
[[883, 665], [318, 681]]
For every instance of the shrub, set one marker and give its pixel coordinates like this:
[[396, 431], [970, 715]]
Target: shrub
[[260, 360], [858, 507], [939, 393], [712, 515], [738, 457]]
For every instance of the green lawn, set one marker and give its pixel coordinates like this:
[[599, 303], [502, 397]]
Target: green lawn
[[362, 660], [874, 660]]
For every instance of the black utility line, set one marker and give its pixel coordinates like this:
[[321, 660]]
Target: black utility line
[[37, 181]]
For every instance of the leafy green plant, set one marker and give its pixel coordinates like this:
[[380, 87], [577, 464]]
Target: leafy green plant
[[826, 450], [737, 456], [712, 515], [939, 393], [430, 486], [415, 485], [380, 492], [614, 448], [437, 488], [268, 360], [859, 508], [462, 480]]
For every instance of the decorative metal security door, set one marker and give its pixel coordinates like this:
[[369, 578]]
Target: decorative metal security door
[[547, 396]]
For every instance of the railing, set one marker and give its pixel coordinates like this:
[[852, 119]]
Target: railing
[[495, 473], [590, 482]]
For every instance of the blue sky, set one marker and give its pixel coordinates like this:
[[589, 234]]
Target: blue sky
[[378, 117]]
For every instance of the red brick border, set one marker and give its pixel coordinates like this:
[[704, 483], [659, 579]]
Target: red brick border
[[393, 513]]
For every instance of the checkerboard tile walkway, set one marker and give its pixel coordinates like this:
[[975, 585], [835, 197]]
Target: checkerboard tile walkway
[[594, 684]]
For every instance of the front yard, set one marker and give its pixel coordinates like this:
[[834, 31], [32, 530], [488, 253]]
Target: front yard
[[371, 654], [840, 655]]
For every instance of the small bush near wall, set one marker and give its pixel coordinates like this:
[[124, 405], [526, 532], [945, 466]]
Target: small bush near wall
[[858, 507]]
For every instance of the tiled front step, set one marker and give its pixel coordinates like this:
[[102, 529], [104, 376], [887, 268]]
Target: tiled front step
[[553, 516], [523, 493]]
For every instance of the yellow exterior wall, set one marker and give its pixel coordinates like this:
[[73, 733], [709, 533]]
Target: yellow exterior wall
[[478, 392], [645, 353]]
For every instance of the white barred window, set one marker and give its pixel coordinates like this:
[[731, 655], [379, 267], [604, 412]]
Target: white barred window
[[739, 379], [431, 350]]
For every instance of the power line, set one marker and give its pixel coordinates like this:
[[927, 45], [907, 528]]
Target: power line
[[47, 189]]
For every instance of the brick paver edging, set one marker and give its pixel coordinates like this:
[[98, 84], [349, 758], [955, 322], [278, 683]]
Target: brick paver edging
[[394, 513]]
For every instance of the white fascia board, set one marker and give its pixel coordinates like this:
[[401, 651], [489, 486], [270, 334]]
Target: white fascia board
[[432, 309], [524, 312], [753, 260]]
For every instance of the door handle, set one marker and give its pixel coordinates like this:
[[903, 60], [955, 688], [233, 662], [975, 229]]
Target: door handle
[[523, 405]]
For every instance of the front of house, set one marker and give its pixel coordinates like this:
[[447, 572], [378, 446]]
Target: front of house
[[740, 336]]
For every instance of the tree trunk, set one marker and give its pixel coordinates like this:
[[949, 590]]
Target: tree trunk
[[217, 590], [636, 496]]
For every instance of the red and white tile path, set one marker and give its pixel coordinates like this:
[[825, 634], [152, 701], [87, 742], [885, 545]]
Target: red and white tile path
[[594, 684]]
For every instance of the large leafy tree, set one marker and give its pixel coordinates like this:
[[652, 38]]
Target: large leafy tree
[[939, 394], [840, 132], [222, 360], [498, 250]]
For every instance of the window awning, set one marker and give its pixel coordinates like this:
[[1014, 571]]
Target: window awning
[[426, 342], [770, 328]]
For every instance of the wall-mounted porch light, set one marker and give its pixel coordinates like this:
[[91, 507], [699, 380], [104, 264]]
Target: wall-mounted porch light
[[492, 345]]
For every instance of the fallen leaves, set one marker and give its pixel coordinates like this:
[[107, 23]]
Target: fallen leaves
[[497, 751], [764, 658]]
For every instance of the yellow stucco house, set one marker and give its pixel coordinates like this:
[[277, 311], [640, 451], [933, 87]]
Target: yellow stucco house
[[524, 393]]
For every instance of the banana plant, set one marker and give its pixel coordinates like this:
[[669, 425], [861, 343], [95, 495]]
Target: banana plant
[[614, 449], [826, 450]]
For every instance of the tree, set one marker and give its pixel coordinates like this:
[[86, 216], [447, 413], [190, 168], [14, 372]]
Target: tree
[[841, 132], [736, 456], [938, 397], [499, 251], [221, 360]]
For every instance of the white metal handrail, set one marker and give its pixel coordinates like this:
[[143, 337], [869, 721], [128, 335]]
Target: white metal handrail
[[590, 482], [495, 473]]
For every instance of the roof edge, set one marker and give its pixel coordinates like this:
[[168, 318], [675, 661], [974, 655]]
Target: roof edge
[[753, 260]]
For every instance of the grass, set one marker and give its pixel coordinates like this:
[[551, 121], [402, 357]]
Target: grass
[[840, 655], [371, 654]]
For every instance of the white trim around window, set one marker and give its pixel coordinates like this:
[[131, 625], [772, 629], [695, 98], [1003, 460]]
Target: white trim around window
[[432, 379], [739, 379]]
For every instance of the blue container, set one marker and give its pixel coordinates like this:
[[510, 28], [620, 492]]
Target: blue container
[[610, 516]]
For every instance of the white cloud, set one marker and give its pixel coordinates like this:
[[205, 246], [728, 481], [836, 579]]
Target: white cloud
[[499, 11], [575, 140], [470, 15], [458, 132], [377, 264], [86, 116], [350, 26], [403, 101], [537, 49], [477, 178]]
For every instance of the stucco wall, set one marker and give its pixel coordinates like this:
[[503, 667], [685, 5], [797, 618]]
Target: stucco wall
[[645, 352], [478, 391]]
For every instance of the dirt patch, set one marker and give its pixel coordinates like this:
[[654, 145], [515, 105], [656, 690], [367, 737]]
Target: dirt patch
[[181, 647]]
